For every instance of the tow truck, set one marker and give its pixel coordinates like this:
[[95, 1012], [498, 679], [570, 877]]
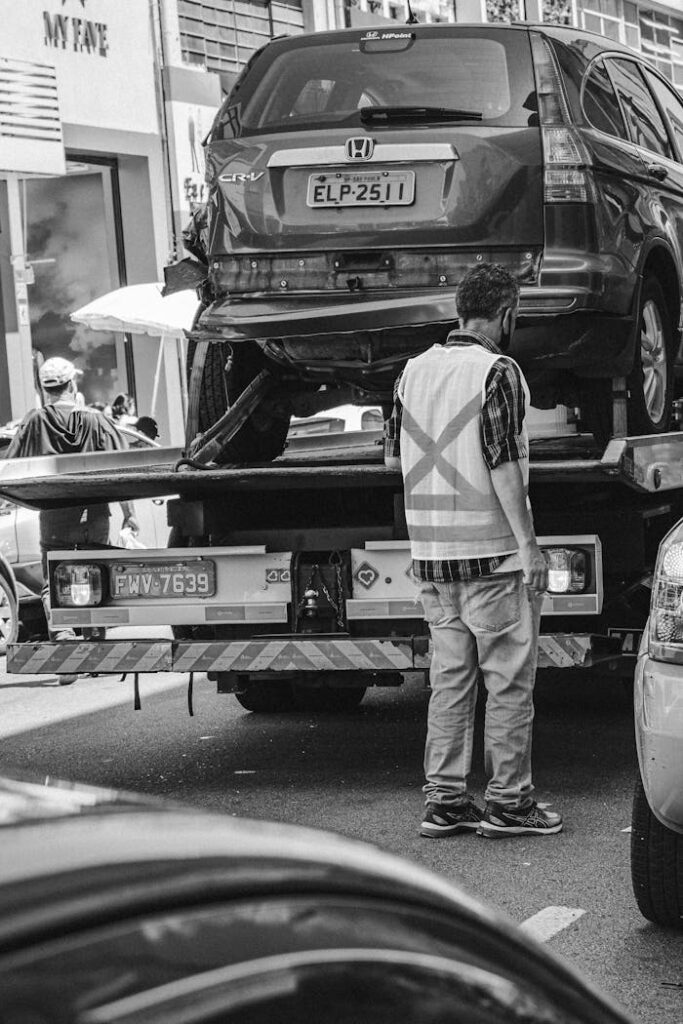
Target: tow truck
[[289, 583]]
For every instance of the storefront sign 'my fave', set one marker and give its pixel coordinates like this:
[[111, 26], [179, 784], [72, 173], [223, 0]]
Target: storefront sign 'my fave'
[[64, 31]]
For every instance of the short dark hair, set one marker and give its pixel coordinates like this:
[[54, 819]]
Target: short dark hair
[[484, 292]]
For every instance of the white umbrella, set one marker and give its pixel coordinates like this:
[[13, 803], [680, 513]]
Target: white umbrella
[[141, 309]]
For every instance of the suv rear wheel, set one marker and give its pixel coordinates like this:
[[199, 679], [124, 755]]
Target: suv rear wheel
[[227, 370], [651, 381], [656, 865]]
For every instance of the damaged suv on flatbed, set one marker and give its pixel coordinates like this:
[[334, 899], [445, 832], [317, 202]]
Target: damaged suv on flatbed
[[355, 176]]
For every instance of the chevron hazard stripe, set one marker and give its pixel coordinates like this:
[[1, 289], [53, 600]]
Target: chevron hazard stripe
[[102, 656], [288, 655]]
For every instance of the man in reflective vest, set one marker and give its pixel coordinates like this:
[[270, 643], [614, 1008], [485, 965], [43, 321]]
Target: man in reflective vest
[[457, 432]]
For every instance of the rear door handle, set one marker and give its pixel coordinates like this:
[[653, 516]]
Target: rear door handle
[[657, 171]]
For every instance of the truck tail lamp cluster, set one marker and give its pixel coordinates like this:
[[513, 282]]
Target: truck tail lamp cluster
[[566, 162], [567, 570], [666, 606], [78, 585], [384, 587]]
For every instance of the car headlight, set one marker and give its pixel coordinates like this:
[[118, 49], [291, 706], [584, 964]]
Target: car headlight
[[666, 605], [78, 585], [567, 570]]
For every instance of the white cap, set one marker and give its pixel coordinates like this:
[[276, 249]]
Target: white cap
[[57, 372]]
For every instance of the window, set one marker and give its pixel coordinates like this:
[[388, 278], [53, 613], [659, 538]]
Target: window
[[313, 84], [600, 103], [672, 105], [643, 119], [221, 35]]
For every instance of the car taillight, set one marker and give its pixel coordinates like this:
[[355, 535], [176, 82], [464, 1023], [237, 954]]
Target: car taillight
[[78, 585], [666, 605], [567, 570], [566, 161]]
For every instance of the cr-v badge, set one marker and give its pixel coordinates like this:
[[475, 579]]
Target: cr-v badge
[[232, 179]]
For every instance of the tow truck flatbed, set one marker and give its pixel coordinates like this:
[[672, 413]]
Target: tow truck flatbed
[[647, 464]]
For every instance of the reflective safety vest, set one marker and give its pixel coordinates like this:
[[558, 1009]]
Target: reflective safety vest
[[452, 510]]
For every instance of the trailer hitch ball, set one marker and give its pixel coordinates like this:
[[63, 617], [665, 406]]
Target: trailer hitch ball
[[310, 608]]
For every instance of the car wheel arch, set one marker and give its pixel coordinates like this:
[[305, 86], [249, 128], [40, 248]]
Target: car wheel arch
[[659, 261]]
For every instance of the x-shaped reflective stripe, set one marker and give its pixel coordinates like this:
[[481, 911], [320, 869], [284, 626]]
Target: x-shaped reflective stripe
[[469, 499]]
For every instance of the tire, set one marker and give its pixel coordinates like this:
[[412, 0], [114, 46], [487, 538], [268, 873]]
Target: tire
[[327, 699], [656, 865], [263, 436], [651, 381], [9, 614], [213, 398], [266, 697]]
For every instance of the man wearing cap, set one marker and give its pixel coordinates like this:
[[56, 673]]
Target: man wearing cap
[[63, 426]]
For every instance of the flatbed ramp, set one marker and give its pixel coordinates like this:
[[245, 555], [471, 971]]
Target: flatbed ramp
[[647, 464]]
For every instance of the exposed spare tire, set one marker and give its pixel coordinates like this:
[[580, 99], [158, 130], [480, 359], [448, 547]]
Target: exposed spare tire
[[217, 384]]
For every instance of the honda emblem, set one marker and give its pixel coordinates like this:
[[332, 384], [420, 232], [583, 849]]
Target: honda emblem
[[360, 148]]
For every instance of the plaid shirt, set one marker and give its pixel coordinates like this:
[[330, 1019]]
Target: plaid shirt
[[502, 417]]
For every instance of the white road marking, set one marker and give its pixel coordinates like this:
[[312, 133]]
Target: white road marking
[[629, 829], [549, 921]]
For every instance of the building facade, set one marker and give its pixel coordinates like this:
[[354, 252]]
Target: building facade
[[103, 108], [82, 198]]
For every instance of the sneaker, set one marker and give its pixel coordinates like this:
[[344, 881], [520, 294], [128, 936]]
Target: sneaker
[[499, 821], [440, 820]]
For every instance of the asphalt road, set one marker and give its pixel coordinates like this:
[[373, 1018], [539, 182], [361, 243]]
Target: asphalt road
[[360, 774]]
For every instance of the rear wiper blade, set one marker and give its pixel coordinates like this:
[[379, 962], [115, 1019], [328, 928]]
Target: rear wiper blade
[[418, 114]]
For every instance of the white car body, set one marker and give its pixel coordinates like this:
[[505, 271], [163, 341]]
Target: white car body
[[658, 698]]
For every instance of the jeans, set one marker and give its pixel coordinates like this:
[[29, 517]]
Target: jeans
[[64, 528], [486, 626]]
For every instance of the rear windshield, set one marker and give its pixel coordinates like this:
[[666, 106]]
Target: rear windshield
[[321, 82]]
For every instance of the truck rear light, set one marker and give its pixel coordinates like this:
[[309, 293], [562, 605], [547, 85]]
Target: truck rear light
[[666, 605], [567, 570], [78, 585]]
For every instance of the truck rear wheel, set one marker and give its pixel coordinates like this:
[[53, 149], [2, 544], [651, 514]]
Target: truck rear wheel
[[327, 699], [266, 696], [656, 865], [226, 371]]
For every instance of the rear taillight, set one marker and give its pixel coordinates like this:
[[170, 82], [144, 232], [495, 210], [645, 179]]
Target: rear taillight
[[567, 570], [566, 162], [666, 605], [78, 585]]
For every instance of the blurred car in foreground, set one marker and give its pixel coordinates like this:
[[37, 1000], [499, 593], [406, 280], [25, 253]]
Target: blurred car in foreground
[[114, 908], [657, 824], [20, 546]]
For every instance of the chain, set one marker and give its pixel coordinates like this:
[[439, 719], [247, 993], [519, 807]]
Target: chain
[[335, 560], [338, 605]]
